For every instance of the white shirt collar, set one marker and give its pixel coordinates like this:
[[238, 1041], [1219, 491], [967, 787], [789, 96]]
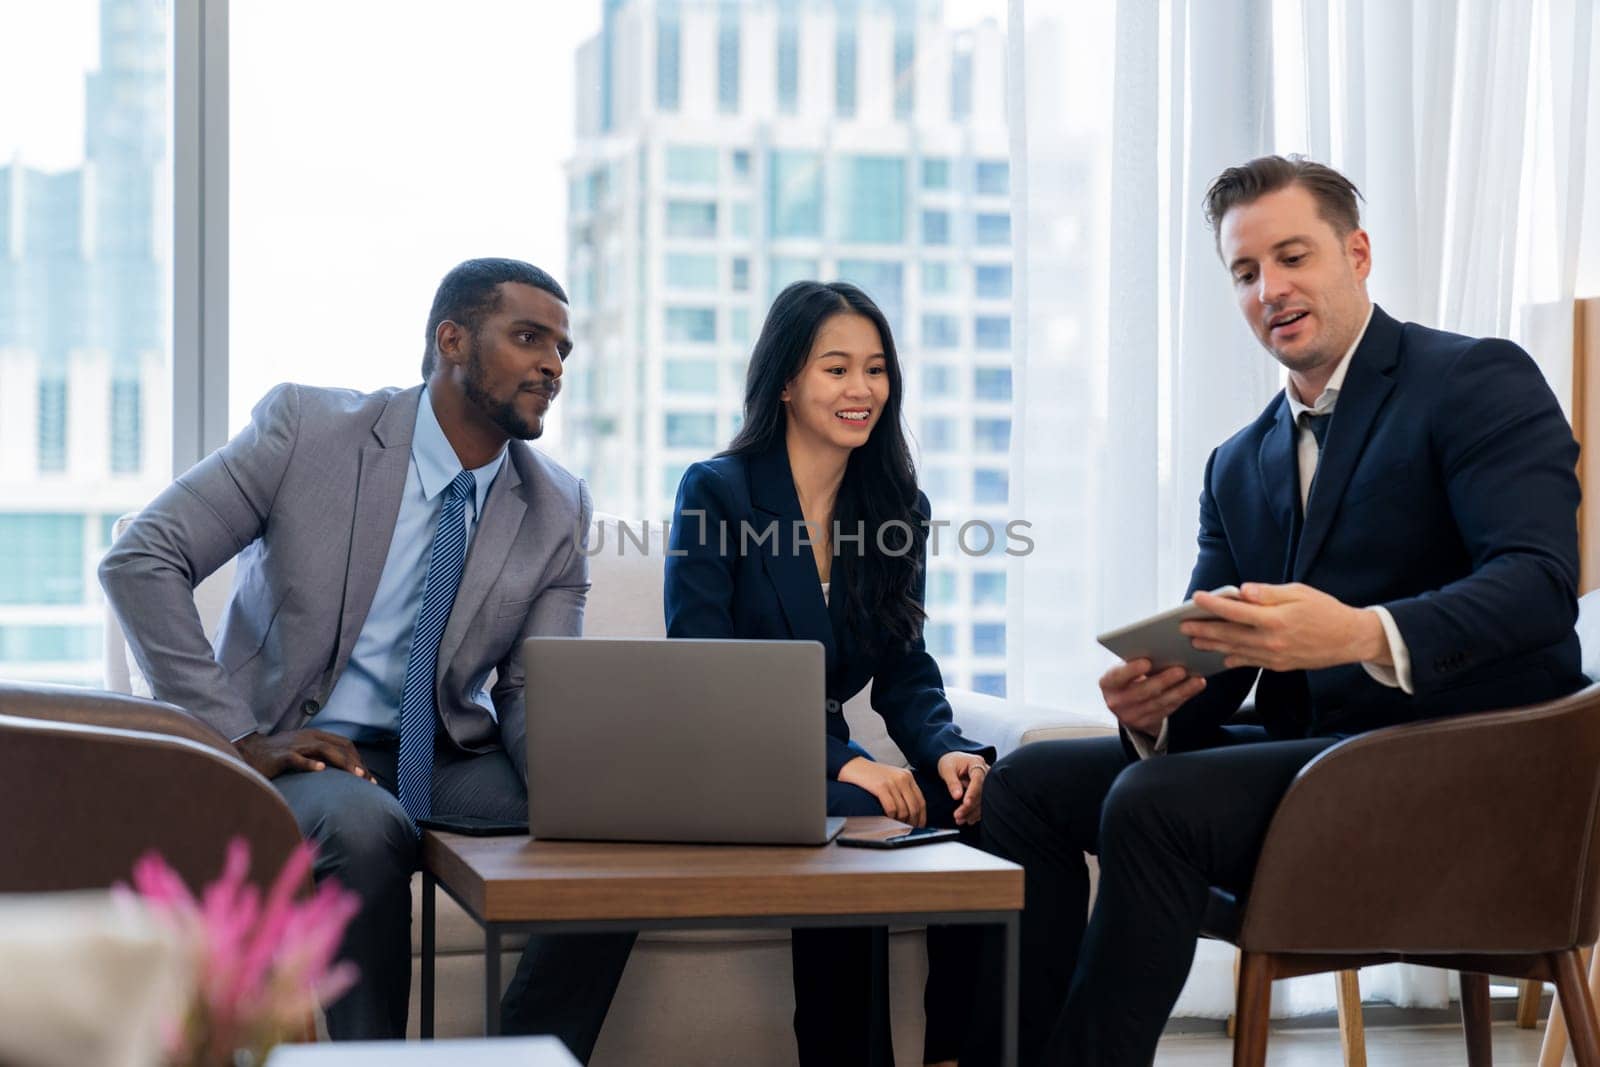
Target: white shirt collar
[[1330, 392]]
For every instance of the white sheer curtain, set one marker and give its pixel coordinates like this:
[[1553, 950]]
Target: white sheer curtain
[[1467, 124]]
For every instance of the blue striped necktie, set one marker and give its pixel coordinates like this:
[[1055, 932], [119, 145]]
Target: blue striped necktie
[[417, 711]]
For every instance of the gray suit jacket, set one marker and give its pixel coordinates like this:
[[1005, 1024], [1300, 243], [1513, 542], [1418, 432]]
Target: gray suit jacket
[[306, 496]]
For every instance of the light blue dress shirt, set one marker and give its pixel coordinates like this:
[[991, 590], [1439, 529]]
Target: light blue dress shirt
[[365, 702]]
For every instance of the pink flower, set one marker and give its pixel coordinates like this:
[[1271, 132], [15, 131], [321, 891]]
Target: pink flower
[[261, 967]]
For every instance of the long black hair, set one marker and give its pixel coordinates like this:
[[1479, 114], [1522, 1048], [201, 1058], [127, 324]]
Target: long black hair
[[879, 491]]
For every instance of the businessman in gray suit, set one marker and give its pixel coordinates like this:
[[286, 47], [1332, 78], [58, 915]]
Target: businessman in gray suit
[[394, 550]]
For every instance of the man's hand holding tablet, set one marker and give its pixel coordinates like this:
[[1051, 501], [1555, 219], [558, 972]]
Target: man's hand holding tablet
[[1163, 669]]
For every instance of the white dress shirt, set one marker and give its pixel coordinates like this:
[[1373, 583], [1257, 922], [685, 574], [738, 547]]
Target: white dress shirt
[[1397, 676]]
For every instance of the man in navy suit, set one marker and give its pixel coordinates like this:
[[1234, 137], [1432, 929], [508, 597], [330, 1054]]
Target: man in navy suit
[[1401, 520]]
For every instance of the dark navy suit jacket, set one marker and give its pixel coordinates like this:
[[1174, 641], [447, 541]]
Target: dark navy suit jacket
[[1446, 492], [769, 590]]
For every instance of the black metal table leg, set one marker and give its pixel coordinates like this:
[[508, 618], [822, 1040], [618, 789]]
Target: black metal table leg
[[491, 979], [1012, 963]]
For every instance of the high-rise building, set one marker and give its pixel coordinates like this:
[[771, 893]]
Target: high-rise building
[[725, 149], [85, 432]]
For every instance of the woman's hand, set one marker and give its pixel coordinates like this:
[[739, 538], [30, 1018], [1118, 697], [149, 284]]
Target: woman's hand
[[964, 773], [894, 787]]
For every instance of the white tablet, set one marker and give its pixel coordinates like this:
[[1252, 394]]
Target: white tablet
[[1158, 640]]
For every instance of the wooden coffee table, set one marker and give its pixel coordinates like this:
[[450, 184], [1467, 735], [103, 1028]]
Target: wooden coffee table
[[512, 884]]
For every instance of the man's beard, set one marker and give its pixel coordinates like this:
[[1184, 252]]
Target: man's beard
[[503, 413]]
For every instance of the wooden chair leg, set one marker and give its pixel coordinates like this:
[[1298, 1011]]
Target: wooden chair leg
[[1577, 1007], [1253, 1009], [1529, 994], [1475, 1019], [1352, 1030], [1554, 1048]]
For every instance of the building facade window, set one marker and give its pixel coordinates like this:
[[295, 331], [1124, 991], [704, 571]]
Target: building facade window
[[989, 683], [46, 563], [740, 221], [845, 44], [669, 44], [884, 281], [990, 486], [697, 377], [872, 200], [691, 430], [127, 427], [905, 62], [788, 65], [938, 380], [728, 57], [992, 383], [989, 638], [52, 439], [989, 588], [795, 194], [691, 165], [691, 325], [992, 281], [940, 330], [993, 177], [936, 227], [939, 433], [961, 82], [935, 174], [992, 332], [690, 271], [939, 638], [739, 269], [691, 218], [785, 269], [991, 435], [993, 228], [937, 278]]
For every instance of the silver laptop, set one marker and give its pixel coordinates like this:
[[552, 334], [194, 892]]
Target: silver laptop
[[677, 740]]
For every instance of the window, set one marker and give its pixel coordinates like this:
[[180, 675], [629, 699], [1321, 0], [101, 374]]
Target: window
[[691, 431], [993, 178], [671, 478], [741, 164], [939, 433], [993, 228], [684, 270], [48, 644], [741, 274], [691, 324], [691, 166], [989, 638], [728, 58], [739, 326], [992, 331], [691, 218], [871, 200], [992, 281], [788, 56], [961, 82], [939, 638], [45, 560], [696, 376], [844, 93], [668, 44], [941, 588], [795, 194], [127, 438], [936, 174], [989, 684], [937, 278], [990, 486], [992, 383], [884, 281], [989, 588], [940, 331], [741, 217], [938, 380], [991, 435], [936, 227], [52, 423]]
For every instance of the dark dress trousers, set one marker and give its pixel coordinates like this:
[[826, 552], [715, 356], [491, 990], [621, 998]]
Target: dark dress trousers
[[1446, 493], [737, 588]]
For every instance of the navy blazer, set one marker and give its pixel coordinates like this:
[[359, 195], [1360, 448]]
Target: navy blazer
[[1446, 492], [769, 590]]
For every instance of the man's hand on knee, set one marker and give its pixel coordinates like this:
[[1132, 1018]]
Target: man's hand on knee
[[300, 750]]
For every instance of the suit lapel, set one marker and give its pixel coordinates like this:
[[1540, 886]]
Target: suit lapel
[[793, 569], [1367, 384], [379, 487], [503, 510]]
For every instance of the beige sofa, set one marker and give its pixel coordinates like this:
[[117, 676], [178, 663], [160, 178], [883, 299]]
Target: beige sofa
[[688, 997]]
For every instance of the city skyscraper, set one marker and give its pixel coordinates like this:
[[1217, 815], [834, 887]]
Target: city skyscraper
[[85, 432], [725, 149]]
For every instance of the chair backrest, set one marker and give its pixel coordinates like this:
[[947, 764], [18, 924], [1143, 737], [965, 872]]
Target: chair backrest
[[82, 802]]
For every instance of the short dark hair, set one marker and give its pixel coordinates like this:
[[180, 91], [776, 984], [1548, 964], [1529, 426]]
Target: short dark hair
[[471, 292], [1335, 194]]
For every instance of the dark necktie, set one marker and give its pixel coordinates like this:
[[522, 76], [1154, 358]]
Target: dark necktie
[[1318, 425], [418, 712]]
